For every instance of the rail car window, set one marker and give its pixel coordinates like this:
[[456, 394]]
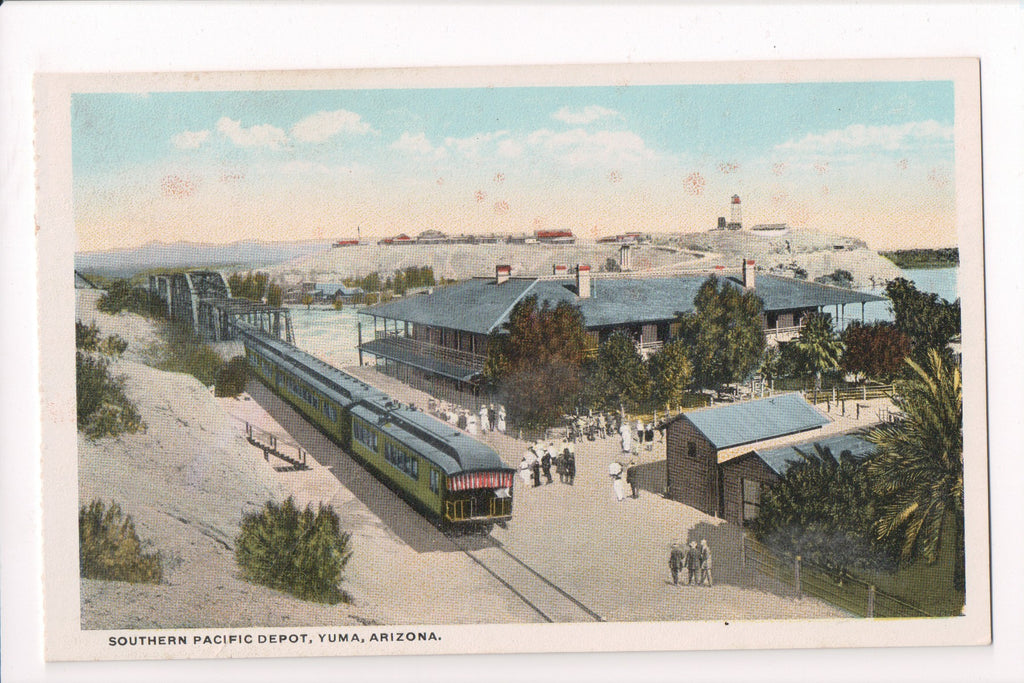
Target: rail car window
[[401, 460], [364, 435], [332, 414], [435, 480]]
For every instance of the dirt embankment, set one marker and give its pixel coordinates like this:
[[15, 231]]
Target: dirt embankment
[[187, 482]]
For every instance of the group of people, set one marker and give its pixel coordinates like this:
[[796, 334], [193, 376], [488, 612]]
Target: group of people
[[695, 560], [489, 418], [540, 457], [644, 434]]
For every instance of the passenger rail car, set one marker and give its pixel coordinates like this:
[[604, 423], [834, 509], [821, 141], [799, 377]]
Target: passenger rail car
[[447, 475]]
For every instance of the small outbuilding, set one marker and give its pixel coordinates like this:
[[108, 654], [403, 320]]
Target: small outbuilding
[[697, 442], [745, 477]]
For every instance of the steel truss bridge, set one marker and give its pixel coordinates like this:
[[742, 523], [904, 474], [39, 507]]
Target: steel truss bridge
[[202, 299]]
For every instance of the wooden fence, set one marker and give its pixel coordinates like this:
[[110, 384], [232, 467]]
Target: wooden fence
[[852, 595], [862, 392]]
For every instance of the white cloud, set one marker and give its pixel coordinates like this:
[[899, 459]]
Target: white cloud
[[578, 147], [589, 114], [474, 144], [262, 135], [324, 125], [190, 139], [416, 144], [861, 137], [509, 149]]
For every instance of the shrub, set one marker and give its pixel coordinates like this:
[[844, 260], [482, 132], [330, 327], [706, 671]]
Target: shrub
[[232, 376], [299, 552], [102, 407], [110, 549], [186, 352], [87, 337]]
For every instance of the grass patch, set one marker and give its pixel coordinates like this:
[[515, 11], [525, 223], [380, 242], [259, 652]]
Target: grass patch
[[301, 552], [924, 258], [110, 549], [185, 352]]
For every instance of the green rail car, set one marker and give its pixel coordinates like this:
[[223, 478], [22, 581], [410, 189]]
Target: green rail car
[[448, 476]]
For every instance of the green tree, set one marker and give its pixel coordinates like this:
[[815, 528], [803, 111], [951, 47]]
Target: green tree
[[232, 377], [819, 347], [535, 364], [823, 509], [671, 373], [929, 321], [274, 295], [724, 332], [920, 468], [307, 300], [621, 376], [875, 351]]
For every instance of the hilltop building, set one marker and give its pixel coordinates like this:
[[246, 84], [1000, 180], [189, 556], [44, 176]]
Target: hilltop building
[[437, 341]]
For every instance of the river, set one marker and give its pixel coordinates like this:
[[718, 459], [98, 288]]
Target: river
[[332, 335]]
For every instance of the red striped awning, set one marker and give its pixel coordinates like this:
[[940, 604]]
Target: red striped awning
[[480, 480]]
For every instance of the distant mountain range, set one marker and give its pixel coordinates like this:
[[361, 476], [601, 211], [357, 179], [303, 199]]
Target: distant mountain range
[[246, 254]]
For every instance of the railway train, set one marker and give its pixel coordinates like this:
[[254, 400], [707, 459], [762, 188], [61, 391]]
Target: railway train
[[452, 479]]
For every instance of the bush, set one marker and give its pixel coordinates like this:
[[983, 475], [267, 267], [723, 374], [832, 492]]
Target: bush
[[87, 337], [122, 296], [186, 352], [110, 549], [232, 376], [101, 405], [299, 552]]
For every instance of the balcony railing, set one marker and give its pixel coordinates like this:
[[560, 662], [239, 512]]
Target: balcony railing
[[401, 343]]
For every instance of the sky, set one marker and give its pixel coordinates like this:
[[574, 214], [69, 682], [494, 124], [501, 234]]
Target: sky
[[874, 160]]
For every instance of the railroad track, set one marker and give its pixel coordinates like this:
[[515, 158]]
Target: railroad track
[[538, 592]]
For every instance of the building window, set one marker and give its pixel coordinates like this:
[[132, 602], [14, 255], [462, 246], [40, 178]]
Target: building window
[[751, 499], [691, 449]]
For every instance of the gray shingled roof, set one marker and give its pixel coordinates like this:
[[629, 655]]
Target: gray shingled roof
[[746, 422], [481, 306], [781, 459]]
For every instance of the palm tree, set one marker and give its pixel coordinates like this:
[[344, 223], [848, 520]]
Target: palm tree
[[819, 346], [919, 470]]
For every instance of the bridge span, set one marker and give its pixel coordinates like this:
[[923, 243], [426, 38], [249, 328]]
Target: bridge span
[[202, 299]]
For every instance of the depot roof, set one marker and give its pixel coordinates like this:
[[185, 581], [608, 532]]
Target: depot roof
[[481, 305]]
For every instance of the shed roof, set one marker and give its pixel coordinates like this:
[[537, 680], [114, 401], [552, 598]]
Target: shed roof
[[747, 422], [781, 459], [481, 305]]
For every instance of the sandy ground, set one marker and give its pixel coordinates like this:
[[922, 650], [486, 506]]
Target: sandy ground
[[189, 479]]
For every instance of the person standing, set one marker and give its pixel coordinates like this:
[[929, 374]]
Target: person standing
[[615, 472], [676, 562], [705, 563], [524, 468], [485, 425], [545, 463], [570, 467], [501, 419], [632, 473], [692, 562], [627, 437], [535, 465]]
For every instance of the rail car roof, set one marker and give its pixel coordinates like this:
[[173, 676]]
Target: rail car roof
[[335, 379], [462, 453], [453, 451]]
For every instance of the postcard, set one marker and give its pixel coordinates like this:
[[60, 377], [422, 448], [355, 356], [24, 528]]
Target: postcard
[[532, 359]]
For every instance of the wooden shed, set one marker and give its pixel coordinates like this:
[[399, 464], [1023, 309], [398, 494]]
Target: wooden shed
[[698, 441]]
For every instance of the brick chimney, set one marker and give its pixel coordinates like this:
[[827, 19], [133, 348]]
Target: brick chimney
[[748, 273], [583, 281], [559, 269], [502, 274]]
